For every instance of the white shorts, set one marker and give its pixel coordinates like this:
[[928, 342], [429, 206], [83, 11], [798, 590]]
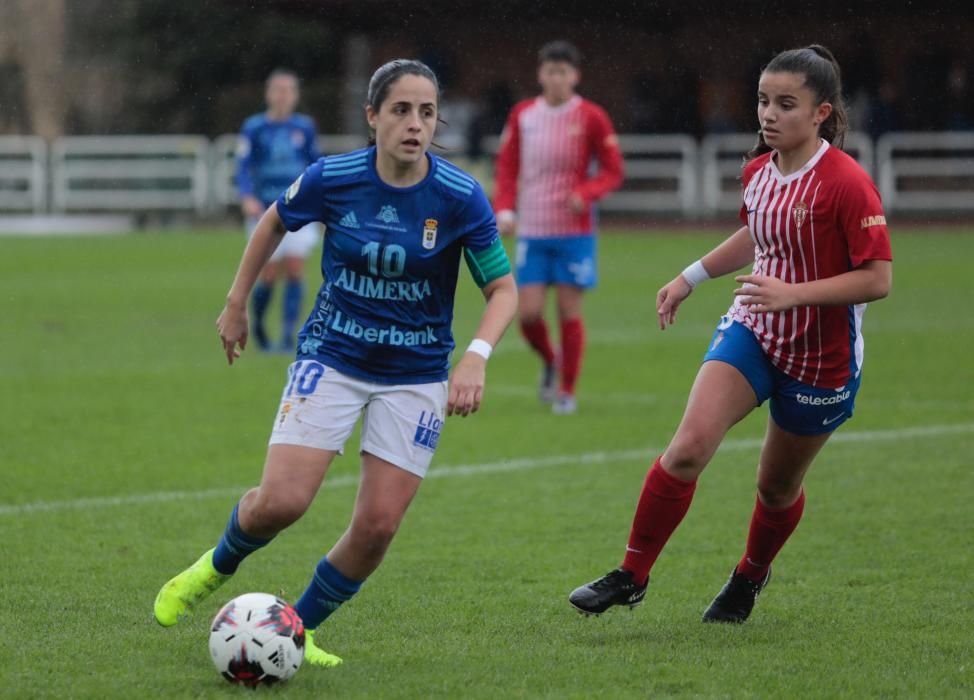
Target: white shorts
[[295, 244], [320, 406]]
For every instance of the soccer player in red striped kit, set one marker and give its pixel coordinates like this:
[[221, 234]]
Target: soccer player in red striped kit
[[814, 230], [545, 191]]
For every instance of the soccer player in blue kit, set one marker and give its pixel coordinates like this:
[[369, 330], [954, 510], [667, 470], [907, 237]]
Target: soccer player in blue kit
[[275, 147], [377, 342]]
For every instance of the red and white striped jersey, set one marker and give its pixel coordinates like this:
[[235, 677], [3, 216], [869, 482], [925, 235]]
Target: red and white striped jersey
[[821, 221], [545, 155]]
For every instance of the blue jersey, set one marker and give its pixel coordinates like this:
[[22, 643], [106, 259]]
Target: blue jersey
[[390, 264], [272, 153]]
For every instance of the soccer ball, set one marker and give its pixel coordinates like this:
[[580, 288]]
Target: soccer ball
[[257, 639]]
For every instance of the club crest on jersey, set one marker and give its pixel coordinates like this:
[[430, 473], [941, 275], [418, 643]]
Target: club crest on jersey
[[800, 212], [388, 214], [429, 234], [297, 138]]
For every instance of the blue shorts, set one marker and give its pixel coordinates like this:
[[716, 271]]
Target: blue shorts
[[566, 260], [796, 407]]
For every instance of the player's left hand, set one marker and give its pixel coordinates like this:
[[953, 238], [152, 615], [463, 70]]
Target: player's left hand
[[765, 294], [576, 203], [467, 385]]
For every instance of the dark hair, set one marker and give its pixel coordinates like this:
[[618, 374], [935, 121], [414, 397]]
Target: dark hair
[[824, 78], [560, 51], [388, 73], [283, 73]]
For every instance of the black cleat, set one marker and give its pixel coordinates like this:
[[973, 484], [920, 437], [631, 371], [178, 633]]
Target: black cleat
[[615, 588], [736, 599]]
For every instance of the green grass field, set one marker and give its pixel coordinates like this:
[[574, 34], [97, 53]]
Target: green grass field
[[125, 440]]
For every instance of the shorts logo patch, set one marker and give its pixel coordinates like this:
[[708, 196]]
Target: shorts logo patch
[[282, 416], [428, 431], [429, 234], [838, 397], [830, 421]]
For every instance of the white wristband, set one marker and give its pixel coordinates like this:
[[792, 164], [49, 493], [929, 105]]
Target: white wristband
[[695, 274], [506, 216], [481, 347]]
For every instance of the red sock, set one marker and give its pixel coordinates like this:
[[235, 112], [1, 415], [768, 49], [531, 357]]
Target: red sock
[[537, 336], [770, 529], [572, 348], [662, 504]]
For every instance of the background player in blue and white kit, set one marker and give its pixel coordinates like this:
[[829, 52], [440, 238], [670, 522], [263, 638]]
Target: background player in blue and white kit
[[377, 342], [275, 147]]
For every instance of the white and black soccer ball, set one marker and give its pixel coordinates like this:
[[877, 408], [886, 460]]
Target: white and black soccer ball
[[257, 639]]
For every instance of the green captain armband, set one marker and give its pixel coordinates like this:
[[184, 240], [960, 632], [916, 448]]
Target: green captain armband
[[488, 264]]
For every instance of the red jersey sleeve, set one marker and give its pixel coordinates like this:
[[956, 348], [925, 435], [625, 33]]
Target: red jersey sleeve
[[862, 221], [604, 143], [508, 163]]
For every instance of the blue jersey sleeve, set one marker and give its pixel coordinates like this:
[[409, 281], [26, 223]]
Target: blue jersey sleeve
[[477, 223], [245, 179], [304, 201]]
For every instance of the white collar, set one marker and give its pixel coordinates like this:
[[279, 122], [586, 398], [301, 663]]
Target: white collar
[[809, 164], [564, 106]]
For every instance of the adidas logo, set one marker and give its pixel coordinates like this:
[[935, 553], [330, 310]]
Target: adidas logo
[[350, 220]]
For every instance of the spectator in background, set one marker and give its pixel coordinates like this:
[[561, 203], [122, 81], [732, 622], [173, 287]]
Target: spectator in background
[[490, 118], [959, 112], [884, 114]]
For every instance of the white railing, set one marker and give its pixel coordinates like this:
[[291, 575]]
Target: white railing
[[23, 173], [664, 173], [661, 175], [130, 173], [721, 158], [926, 171]]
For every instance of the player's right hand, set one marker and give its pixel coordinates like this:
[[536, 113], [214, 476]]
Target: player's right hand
[[506, 222], [668, 300], [251, 207], [232, 325]]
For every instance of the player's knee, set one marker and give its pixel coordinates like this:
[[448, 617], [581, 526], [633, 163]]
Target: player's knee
[[529, 315], [374, 533], [294, 269], [689, 453], [276, 511], [775, 493]]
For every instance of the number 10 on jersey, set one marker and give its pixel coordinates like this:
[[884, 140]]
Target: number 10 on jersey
[[393, 259]]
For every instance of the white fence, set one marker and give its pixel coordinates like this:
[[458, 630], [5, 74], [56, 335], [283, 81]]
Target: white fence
[[23, 169], [130, 173], [665, 174], [721, 159], [924, 171]]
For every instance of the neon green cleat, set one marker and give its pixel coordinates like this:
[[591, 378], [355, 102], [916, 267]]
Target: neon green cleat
[[177, 598], [317, 656]]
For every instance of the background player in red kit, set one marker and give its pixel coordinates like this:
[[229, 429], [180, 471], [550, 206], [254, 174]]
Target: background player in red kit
[[815, 231], [543, 174]]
